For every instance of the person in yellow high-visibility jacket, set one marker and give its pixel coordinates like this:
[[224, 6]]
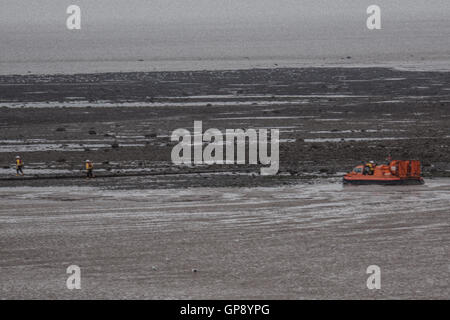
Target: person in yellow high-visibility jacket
[[371, 166], [19, 166], [89, 169]]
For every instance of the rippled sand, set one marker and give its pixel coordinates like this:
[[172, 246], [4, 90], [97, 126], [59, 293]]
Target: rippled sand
[[294, 242]]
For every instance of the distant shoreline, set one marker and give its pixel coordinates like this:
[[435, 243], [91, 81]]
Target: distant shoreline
[[145, 66]]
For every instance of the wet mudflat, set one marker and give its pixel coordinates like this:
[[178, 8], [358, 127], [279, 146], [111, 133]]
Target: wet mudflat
[[304, 240], [144, 224], [329, 118]]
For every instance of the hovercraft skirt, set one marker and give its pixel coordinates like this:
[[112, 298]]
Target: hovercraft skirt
[[383, 182]]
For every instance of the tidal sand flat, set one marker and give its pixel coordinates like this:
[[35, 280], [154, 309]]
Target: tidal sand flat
[[147, 228], [303, 241]]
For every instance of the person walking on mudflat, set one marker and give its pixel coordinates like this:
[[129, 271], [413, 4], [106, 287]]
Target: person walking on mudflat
[[89, 169], [19, 166]]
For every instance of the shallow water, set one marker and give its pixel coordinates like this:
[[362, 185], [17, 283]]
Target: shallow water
[[146, 37]]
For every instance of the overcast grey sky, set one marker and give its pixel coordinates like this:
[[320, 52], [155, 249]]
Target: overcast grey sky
[[174, 12]]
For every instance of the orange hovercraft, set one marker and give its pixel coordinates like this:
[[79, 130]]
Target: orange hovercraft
[[397, 172]]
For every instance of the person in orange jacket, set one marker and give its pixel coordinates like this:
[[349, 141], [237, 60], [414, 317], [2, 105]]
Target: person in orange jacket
[[19, 166], [89, 169]]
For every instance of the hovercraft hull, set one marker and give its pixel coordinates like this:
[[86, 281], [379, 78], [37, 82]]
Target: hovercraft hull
[[383, 181]]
